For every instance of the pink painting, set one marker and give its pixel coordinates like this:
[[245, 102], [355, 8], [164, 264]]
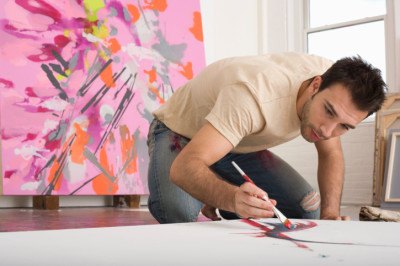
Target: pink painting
[[78, 82]]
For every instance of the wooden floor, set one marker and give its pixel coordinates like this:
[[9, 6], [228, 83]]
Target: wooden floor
[[12, 220], [27, 219]]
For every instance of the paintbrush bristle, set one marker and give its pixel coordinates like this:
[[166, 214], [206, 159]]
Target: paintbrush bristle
[[289, 225]]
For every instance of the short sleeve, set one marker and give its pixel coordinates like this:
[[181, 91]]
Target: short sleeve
[[236, 113]]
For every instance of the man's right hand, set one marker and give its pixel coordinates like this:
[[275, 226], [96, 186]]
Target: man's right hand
[[248, 202]]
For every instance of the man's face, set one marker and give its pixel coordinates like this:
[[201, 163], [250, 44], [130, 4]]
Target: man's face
[[329, 113]]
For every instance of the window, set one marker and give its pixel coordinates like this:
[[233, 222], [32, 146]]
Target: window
[[339, 28]]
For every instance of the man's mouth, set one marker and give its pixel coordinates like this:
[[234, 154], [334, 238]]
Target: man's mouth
[[314, 135]]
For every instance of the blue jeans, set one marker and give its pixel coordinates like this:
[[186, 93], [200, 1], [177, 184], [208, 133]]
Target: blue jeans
[[170, 204]]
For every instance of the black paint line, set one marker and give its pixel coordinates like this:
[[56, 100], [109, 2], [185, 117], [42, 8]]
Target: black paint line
[[49, 162], [116, 116], [61, 158], [126, 100], [123, 85], [102, 92], [59, 58], [54, 81], [57, 68], [115, 78], [93, 99], [83, 90], [143, 15]]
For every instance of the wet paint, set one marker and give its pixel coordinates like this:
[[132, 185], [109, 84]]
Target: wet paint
[[278, 231], [177, 142]]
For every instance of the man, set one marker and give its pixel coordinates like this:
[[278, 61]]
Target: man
[[236, 109]]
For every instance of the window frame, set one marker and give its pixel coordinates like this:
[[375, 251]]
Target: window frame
[[392, 56]]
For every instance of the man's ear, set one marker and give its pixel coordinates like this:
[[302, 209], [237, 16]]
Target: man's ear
[[315, 84]]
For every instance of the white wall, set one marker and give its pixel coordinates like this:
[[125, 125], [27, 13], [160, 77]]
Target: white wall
[[230, 28]]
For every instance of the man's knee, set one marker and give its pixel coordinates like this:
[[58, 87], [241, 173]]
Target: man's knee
[[310, 205], [172, 214]]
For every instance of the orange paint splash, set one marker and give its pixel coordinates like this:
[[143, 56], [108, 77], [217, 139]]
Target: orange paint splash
[[56, 166], [52, 175], [77, 147], [114, 45], [134, 11], [197, 29], [102, 185], [157, 93], [152, 74], [158, 5], [106, 76], [187, 70], [127, 150]]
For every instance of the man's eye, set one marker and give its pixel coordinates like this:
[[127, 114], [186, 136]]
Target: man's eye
[[345, 127], [329, 112]]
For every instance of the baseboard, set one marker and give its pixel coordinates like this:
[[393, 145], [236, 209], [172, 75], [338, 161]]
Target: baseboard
[[65, 201]]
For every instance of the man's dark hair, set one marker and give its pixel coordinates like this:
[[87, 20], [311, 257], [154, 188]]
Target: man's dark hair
[[361, 79]]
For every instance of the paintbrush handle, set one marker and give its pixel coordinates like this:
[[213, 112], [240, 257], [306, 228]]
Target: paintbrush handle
[[278, 214]]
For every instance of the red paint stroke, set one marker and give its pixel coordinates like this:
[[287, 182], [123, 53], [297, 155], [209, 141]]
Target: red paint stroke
[[277, 231], [29, 92], [42, 109], [7, 84], [51, 144], [30, 136], [9, 173], [40, 7], [46, 53], [176, 143], [61, 41]]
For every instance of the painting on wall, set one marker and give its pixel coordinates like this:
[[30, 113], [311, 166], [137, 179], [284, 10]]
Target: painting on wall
[[78, 82]]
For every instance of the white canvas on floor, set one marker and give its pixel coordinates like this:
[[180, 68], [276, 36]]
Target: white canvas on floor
[[240, 242]]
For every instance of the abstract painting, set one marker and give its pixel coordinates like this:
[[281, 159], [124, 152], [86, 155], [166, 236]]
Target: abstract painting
[[78, 82]]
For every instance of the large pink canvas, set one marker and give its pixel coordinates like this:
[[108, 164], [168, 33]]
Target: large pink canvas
[[79, 80]]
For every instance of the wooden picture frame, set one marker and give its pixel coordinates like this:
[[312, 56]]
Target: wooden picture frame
[[386, 119], [392, 169]]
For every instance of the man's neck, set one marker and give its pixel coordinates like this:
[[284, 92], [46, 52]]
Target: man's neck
[[301, 97]]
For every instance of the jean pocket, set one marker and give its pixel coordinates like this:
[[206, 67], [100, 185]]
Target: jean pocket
[[156, 127]]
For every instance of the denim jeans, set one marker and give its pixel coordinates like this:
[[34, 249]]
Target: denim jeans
[[170, 204]]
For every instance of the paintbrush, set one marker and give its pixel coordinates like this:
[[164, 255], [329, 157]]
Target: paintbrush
[[286, 222]]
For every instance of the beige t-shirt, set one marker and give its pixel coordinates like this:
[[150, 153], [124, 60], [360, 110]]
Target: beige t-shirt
[[250, 100]]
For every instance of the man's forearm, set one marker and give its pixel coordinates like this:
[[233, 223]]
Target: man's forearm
[[330, 180], [196, 178]]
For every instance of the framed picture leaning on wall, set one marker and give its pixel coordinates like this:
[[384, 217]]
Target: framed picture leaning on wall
[[392, 169]]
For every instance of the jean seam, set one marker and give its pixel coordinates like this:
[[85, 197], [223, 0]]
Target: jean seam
[[157, 184]]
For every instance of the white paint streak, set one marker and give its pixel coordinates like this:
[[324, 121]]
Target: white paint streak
[[55, 104], [30, 186], [28, 151], [49, 125]]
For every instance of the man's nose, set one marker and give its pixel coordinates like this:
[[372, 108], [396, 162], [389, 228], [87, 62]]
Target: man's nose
[[327, 130]]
